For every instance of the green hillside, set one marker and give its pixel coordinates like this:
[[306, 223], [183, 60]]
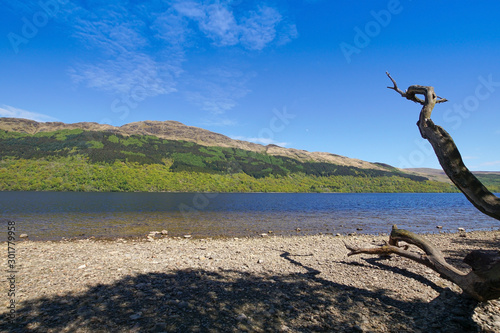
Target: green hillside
[[77, 160]]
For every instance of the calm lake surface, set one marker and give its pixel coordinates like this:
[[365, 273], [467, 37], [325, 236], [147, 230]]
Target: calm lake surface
[[53, 215]]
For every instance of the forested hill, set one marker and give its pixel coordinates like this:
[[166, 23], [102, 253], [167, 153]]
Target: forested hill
[[176, 131], [94, 159]]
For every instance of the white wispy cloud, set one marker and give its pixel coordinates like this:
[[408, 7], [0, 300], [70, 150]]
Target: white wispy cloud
[[214, 20], [112, 34], [125, 64], [219, 121], [254, 29], [144, 46], [262, 141], [128, 74], [12, 112], [172, 29], [217, 89], [259, 28]]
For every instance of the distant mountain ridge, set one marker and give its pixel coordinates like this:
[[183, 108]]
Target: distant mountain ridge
[[174, 130]]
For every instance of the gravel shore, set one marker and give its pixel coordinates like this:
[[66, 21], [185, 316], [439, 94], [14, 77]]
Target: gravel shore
[[266, 284]]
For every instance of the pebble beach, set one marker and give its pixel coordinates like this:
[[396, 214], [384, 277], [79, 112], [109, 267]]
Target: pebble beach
[[261, 284]]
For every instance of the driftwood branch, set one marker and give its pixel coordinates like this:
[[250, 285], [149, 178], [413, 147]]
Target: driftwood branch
[[482, 281], [477, 282]]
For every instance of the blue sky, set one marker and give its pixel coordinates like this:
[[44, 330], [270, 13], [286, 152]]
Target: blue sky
[[306, 74]]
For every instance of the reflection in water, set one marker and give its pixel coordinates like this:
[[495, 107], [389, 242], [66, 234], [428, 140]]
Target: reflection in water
[[52, 215]]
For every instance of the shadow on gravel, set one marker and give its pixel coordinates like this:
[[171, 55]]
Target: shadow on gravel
[[379, 262], [229, 301], [479, 243], [455, 257]]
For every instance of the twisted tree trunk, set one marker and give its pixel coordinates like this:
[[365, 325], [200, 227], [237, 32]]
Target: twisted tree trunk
[[482, 282], [447, 152]]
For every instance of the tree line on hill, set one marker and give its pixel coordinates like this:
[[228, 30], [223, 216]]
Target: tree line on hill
[[77, 160]]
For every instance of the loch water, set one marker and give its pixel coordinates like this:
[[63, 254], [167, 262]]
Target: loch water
[[54, 215]]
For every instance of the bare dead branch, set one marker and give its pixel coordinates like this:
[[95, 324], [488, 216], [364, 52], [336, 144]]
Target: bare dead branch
[[395, 87], [386, 250], [414, 90], [447, 152], [406, 94]]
